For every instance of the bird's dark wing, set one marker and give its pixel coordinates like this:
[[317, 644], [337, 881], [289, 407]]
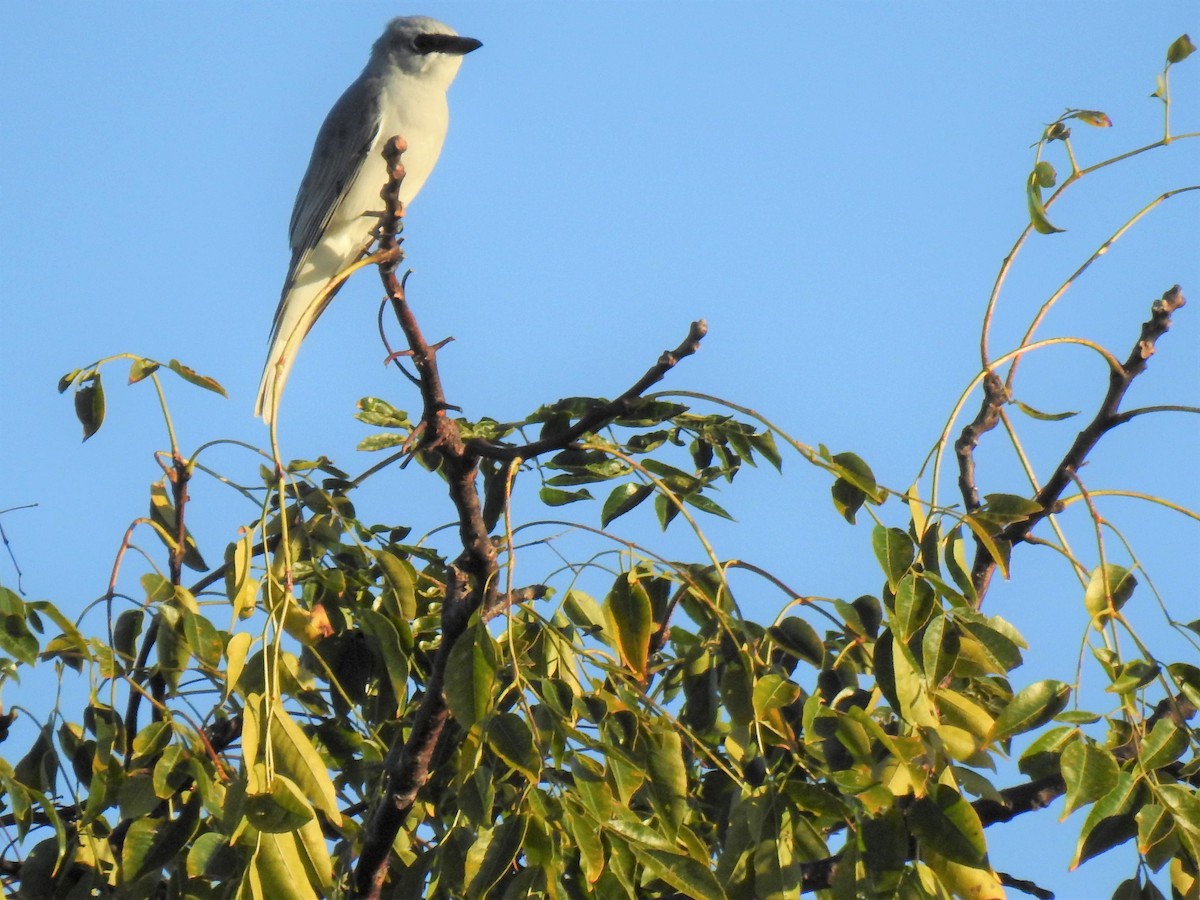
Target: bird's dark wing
[[342, 146]]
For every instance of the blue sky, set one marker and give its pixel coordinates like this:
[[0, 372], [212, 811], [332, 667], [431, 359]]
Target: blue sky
[[831, 186]]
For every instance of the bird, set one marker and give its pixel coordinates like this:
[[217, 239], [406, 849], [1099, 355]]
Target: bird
[[402, 91]]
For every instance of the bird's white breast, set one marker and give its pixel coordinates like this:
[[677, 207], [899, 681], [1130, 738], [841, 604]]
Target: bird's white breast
[[417, 113]]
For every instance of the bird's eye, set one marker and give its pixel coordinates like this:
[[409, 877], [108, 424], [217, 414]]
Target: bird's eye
[[423, 43]]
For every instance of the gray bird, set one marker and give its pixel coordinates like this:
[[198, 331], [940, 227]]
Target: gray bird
[[402, 91]]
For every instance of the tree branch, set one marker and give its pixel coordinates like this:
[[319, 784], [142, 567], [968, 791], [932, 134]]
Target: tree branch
[[473, 575], [601, 415], [1106, 418]]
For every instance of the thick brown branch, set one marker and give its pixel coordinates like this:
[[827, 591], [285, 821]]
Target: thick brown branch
[[994, 398], [473, 583], [1106, 418]]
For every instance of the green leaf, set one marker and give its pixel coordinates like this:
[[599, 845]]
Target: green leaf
[[1034, 706], [1109, 588], [382, 441], [950, 825], [282, 808], [503, 843], [1181, 48], [587, 841], [1163, 745], [203, 641], [142, 368], [235, 652], [1110, 822], [374, 411], [89, 405], [630, 616], [583, 611], [799, 639], [623, 498], [704, 504], [296, 757], [400, 585], [1042, 176], [511, 740], [962, 712], [939, 649], [470, 676], [391, 648], [985, 649], [1042, 416], [15, 638], [914, 605], [916, 704], [67, 380], [1009, 508], [1089, 771], [647, 413], [852, 468], [987, 534], [773, 692], [764, 443], [241, 587], [894, 550], [1133, 675], [683, 873], [854, 486], [192, 377], [555, 497], [1092, 117], [668, 775], [1156, 839]]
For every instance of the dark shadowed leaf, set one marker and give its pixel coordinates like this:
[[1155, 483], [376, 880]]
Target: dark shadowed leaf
[[623, 498], [89, 405], [1181, 48]]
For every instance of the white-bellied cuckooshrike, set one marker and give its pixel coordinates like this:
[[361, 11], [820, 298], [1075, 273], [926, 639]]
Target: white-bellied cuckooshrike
[[402, 91]]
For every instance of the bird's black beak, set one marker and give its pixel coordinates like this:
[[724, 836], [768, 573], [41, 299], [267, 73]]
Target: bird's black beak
[[445, 43]]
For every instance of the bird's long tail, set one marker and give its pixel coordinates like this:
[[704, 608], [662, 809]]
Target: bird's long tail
[[298, 310]]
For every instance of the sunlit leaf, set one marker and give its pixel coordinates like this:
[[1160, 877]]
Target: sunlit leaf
[[1092, 117], [193, 377], [142, 368], [1042, 416], [1109, 588], [511, 740], [1034, 706], [630, 617], [1042, 176], [1089, 770], [1163, 745]]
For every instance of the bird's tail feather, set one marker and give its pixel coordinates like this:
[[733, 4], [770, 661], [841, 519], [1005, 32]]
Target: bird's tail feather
[[299, 308]]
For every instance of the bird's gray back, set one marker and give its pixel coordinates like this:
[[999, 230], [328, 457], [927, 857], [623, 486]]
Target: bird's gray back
[[341, 148]]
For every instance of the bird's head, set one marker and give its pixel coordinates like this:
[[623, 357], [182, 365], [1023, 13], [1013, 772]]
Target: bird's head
[[420, 45]]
